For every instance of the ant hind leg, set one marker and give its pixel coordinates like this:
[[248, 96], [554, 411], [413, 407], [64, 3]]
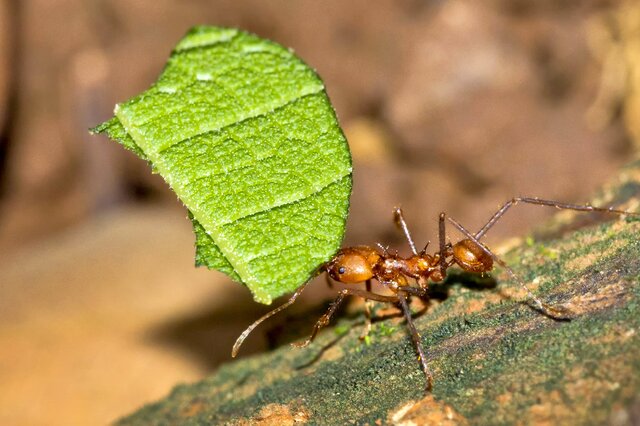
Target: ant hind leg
[[549, 203], [555, 312]]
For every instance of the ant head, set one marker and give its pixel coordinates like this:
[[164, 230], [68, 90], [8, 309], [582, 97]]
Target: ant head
[[353, 265], [471, 257]]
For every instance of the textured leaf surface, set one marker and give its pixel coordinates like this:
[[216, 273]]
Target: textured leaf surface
[[244, 133]]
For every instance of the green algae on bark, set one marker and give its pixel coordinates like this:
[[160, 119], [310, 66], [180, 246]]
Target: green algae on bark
[[495, 360]]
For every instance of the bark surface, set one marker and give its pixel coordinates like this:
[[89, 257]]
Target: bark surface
[[495, 360]]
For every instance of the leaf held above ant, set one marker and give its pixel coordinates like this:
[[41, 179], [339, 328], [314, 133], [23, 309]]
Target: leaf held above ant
[[244, 133]]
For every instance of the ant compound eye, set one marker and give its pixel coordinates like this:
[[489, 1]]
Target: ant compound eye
[[342, 270]]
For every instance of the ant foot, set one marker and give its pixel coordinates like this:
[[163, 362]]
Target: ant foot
[[365, 332], [429, 387], [559, 312], [300, 345]]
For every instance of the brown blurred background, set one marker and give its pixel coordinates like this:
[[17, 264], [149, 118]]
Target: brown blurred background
[[448, 105]]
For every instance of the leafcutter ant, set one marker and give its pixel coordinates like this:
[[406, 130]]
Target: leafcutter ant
[[410, 276]]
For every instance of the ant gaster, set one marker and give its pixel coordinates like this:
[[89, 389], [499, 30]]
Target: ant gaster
[[410, 276]]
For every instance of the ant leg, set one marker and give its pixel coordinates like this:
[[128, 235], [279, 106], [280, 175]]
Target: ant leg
[[553, 312], [550, 203], [415, 336], [367, 313], [399, 219], [324, 319], [240, 340], [442, 236], [414, 291]]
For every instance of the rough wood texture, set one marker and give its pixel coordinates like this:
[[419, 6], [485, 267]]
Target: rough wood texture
[[495, 360]]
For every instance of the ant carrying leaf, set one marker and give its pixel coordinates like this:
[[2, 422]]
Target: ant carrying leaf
[[408, 277], [217, 126]]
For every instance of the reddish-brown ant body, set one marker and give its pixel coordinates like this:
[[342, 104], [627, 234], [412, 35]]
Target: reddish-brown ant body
[[410, 276]]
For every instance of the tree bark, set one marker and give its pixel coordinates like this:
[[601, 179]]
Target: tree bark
[[495, 360]]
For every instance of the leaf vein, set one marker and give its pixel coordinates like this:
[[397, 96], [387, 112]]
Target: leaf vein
[[243, 120], [294, 201]]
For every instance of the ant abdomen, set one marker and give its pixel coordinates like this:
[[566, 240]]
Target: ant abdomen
[[471, 257], [353, 265]]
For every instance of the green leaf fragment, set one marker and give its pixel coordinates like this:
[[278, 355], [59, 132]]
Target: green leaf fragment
[[208, 254], [244, 133], [113, 128]]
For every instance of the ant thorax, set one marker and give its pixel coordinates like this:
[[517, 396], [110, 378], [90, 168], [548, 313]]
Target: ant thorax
[[353, 265], [423, 267], [395, 269]]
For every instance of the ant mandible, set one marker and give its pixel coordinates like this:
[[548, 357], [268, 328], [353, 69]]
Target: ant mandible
[[354, 265]]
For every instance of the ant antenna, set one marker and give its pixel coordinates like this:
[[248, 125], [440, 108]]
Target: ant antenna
[[240, 340]]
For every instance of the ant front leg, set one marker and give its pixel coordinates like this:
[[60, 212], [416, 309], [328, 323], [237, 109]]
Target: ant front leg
[[324, 319], [367, 313], [551, 311]]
